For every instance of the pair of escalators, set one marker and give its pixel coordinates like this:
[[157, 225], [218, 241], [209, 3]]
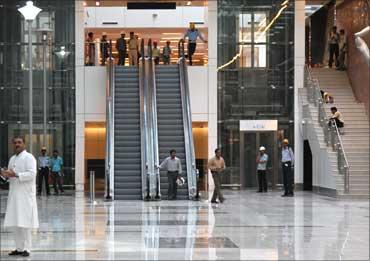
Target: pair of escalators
[[150, 115]]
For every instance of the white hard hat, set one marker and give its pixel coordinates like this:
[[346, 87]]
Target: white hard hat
[[180, 181], [262, 148]]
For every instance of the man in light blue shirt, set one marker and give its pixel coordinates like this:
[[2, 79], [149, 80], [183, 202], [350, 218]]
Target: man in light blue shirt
[[261, 170], [192, 34], [287, 161], [56, 165]]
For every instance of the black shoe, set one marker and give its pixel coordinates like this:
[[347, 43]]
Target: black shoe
[[25, 253], [222, 200], [259, 191], [214, 201], [290, 195], [15, 253], [284, 195]]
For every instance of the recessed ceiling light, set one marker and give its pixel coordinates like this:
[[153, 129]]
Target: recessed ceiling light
[[188, 3], [84, 3], [97, 3]]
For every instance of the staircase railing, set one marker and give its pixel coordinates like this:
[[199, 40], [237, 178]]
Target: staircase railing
[[331, 133], [109, 125], [192, 172]]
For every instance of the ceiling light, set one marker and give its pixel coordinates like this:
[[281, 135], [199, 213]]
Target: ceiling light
[[188, 3], [84, 3], [97, 3]]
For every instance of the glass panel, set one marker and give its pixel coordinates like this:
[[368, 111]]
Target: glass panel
[[58, 18], [258, 83]]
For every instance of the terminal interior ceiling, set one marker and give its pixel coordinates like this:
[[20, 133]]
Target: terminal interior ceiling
[[124, 2]]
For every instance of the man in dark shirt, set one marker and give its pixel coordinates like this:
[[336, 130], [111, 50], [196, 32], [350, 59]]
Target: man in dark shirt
[[121, 47]]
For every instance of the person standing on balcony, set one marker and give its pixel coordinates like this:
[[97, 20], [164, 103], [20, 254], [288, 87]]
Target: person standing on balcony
[[333, 47], [21, 210], [217, 165], [121, 47], [167, 53], [192, 34], [173, 166], [287, 161], [90, 50], [44, 162], [133, 49], [104, 48], [156, 53]]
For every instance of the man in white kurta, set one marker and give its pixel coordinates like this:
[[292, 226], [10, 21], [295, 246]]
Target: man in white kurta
[[21, 212]]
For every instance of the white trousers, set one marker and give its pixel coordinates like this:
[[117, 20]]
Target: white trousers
[[22, 238]]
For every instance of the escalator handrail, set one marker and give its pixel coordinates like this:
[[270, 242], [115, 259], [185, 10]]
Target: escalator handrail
[[188, 132], [143, 125], [109, 147], [154, 123]]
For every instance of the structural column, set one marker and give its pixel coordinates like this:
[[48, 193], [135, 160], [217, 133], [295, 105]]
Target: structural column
[[299, 62], [80, 97], [212, 79]]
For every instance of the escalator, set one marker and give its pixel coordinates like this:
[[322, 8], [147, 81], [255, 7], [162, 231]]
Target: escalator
[[170, 122], [148, 114], [127, 135]]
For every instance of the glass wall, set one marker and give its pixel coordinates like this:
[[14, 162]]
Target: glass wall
[[255, 71], [53, 36]]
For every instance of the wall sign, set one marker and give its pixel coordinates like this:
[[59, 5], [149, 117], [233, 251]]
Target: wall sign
[[258, 125]]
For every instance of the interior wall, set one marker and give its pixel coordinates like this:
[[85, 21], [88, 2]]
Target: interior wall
[[353, 16]]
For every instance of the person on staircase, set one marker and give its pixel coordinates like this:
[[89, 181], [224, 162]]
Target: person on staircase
[[333, 47], [342, 50], [166, 54], [104, 48], [173, 166], [133, 49], [336, 117]]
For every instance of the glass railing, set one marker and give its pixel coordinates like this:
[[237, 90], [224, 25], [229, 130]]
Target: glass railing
[[331, 133], [192, 172]]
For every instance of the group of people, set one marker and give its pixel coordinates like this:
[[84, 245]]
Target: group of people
[[131, 48], [337, 48]]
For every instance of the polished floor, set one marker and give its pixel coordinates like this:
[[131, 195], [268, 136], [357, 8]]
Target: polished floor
[[248, 226]]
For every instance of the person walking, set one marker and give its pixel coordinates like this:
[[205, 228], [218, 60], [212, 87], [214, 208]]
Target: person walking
[[173, 166], [56, 166], [44, 162], [261, 169], [217, 165], [21, 210], [287, 162], [121, 46], [333, 47], [342, 50], [133, 49], [166, 54], [90, 49], [192, 34], [156, 53]]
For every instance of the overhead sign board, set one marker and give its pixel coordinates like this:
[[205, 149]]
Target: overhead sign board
[[258, 125]]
